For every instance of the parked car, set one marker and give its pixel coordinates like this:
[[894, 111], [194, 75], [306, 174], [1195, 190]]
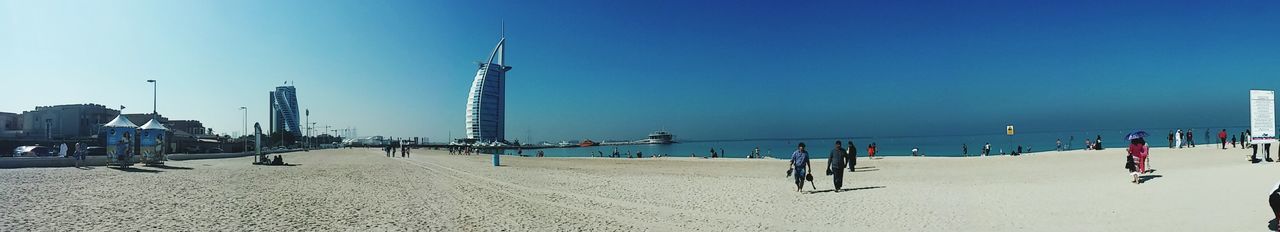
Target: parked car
[[32, 151], [96, 151]]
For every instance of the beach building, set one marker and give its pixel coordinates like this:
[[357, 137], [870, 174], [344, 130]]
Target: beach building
[[65, 121], [10, 124], [284, 111], [486, 102]]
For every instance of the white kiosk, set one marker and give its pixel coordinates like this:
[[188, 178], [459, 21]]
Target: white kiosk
[[119, 135], [151, 142]]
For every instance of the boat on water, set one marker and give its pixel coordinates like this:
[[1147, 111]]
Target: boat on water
[[659, 137], [588, 143]]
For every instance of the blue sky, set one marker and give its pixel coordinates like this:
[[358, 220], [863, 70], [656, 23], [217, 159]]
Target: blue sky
[[621, 69]]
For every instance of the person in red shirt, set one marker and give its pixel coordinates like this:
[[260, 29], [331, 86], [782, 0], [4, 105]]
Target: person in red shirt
[[1222, 137]]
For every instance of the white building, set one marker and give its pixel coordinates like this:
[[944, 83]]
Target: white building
[[486, 102]]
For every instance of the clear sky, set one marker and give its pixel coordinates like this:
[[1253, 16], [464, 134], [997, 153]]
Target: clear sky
[[621, 69]]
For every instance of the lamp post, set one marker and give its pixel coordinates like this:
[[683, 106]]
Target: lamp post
[[154, 92], [245, 128], [308, 138]]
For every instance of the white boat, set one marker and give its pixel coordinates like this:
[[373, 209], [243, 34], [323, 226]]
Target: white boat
[[659, 137]]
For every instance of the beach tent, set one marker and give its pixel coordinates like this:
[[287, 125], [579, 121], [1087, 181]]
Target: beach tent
[[119, 135], [151, 142]]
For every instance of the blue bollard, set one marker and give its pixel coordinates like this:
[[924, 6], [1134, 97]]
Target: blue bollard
[[495, 159]]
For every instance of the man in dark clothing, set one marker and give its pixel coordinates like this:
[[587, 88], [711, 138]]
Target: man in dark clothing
[[965, 149], [852, 155], [1171, 139], [835, 165]]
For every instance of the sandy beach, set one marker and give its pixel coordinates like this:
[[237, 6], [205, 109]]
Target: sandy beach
[[1200, 189]]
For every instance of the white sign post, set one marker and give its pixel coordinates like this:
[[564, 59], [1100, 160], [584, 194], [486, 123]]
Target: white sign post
[[1262, 121]]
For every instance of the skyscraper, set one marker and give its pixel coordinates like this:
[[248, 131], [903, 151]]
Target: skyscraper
[[284, 111], [486, 102]]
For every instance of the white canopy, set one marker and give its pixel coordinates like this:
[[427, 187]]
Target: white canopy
[[152, 125], [120, 121]]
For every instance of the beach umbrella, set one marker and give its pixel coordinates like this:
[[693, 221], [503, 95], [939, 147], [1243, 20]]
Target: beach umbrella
[[1136, 135]]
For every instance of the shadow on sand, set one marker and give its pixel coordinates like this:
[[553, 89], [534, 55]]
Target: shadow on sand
[[844, 190], [278, 165], [132, 169], [162, 166], [1145, 178], [866, 170]]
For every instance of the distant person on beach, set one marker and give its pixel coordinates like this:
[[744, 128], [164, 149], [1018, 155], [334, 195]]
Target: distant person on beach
[[1018, 152], [915, 151], [1233, 141], [1222, 137], [871, 151], [1059, 148], [799, 163], [81, 151], [1191, 139], [1097, 144], [722, 152], [1138, 150], [755, 153], [986, 149], [1170, 138], [964, 149], [835, 165], [851, 155], [1178, 139]]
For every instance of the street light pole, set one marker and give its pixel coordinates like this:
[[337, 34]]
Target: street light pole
[[245, 128], [154, 93], [308, 139]]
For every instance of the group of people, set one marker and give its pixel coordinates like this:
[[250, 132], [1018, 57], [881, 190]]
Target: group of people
[[463, 150], [1181, 139], [404, 150], [839, 159]]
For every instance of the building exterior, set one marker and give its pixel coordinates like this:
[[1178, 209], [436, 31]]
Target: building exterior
[[192, 127], [486, 102], [135, 118], [284, 111], [10, 124], [66, 121]]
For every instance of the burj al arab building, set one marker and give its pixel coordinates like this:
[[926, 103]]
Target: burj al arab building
[[486, 102]]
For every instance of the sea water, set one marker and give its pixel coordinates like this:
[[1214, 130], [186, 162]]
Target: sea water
[[943, 145]]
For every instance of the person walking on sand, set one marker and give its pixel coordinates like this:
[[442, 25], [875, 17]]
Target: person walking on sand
[[915, 151], [986, 149], [871, 151], [964, 149], [799, 163], [1138, 149], [1222, 137], [1178, 139], [851, 155], [80, 153], [1191, 137], [1059, 148], [1233, 141], [835, 165], [1170, 138]]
